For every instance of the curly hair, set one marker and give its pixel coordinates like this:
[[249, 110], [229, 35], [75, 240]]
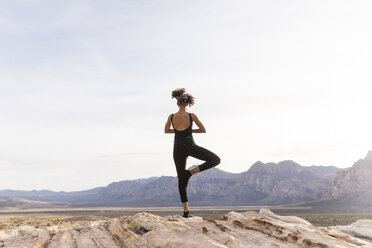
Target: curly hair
[[183, 97]]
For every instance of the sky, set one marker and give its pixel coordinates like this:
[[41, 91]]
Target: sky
[[86, 86]]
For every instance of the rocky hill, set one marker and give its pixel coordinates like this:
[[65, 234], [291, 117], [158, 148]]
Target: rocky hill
[[237, 230], [350, 190], [270, 184], [358, 178], [283, 183], [18, 203]]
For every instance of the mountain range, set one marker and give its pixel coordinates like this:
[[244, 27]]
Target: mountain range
[[350, 190], [280, 183]]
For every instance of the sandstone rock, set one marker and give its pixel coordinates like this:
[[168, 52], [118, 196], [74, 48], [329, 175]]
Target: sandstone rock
[[145, 230], [361, 229]]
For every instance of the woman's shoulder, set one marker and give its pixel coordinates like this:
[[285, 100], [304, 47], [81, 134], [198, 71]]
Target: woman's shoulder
[[193, 116]]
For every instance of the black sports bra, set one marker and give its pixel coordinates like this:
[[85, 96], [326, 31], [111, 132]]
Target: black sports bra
[[183, 133]]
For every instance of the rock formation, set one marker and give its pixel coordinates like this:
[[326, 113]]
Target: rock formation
[[283, 183], [145, 230], [351, 180], [349, 191], [360, 228]]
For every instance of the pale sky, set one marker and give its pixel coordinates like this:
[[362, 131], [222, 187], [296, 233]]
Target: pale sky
[[86, 86]]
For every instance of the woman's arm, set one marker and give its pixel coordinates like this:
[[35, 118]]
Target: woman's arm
[[167, 128], [199, 124]]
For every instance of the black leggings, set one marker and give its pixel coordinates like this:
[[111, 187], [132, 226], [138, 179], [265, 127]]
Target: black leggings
[[180, 154]]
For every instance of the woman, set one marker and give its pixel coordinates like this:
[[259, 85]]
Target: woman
[[184, 144]]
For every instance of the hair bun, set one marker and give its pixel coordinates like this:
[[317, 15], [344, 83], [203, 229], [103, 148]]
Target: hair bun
[[178, 92], [182, 97]]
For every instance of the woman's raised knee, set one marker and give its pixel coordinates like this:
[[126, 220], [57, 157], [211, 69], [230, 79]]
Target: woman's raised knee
[[217, 160]]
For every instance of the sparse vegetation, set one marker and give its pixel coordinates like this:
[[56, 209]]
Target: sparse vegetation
[[2, 226], [333, 219], [134, 224]]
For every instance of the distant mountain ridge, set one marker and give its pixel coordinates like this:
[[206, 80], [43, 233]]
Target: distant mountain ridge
[[350, 190], [17, 203], [350, 180], [271, 184], [284, 183]]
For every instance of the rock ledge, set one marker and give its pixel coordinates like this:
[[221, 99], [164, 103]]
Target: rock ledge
[[247, 229]]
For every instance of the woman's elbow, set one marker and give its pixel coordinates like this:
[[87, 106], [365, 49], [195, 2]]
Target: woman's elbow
[[168, 130]]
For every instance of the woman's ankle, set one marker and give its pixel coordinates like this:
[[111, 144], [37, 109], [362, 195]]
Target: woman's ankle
[[195, 170]]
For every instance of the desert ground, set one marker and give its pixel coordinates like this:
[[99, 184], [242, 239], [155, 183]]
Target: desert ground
[[10, 218]]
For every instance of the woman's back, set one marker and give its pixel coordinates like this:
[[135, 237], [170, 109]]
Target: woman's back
[[182, 125], [181, 120]]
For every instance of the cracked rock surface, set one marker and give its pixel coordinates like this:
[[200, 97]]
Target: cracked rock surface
[[247, 229]]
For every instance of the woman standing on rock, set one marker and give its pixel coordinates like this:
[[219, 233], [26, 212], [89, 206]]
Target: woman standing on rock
[[184, 144]]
